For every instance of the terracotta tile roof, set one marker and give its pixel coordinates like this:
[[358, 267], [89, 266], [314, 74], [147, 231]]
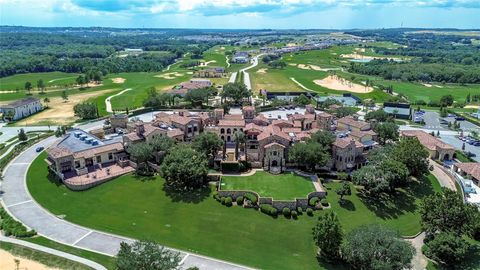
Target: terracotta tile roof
[[360, 134], [428, 141], [248, 108], [350, 121], [174, 133], [254, 127], [182, 120], [98, 150], [272, 131], [324, 115], [282, 123], [58, 151], [291, 130], [470, 168], [233, 117], [297, 124], [149, 129], [231, 123], [274, 143], [302, 136], [345, 142]]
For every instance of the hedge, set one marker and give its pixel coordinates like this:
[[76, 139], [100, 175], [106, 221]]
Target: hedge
[[240, 200], [12, 227], [252, 198], [268, 209]]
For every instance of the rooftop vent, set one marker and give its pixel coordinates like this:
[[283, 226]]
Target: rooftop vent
[[94, 142], [83, 137], [77, 134]]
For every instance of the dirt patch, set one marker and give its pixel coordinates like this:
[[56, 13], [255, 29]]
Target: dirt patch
[[60, 112], [338, 83], [7, 262], [262, 70], [118, 80]]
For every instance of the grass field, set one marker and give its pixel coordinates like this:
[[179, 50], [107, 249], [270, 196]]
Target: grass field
[[51, 80], [287, 186], [46, 259], [197, 223]]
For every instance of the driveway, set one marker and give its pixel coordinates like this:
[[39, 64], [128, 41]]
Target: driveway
[[18, 202], [10, 132]]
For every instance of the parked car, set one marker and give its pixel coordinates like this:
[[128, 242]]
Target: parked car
[[39, 149], [470, 154], [459, 118]]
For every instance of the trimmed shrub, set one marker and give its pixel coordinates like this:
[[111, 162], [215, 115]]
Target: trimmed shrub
[[299, 210], [294, 214], [228, 201], [239, 200], [324, 203], [268, 209], [309, 211], [216, 196], [252, 198], [286, 212], [222, 200], [313, 201]]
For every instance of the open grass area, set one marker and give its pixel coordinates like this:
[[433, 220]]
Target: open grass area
[[286, 186], [41, 257], [142, 208], [399, 212], [107, 261], [51, 80]]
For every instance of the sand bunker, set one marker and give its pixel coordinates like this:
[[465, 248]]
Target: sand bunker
[[314, 67], [432, 85], [118, 80], [204, 64], [427, 84], [169, 76], [338, 83], [358, 56], [7, 262], [262, 70]]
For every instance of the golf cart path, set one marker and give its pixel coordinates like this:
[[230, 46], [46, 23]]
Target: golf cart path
[[55, 252], [301, 85], [246, 76], [108, 104], [18, 202]]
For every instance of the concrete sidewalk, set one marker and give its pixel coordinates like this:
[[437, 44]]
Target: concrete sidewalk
[[19, 203]]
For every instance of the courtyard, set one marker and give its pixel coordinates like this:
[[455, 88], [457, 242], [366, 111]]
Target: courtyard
[[286, 186]]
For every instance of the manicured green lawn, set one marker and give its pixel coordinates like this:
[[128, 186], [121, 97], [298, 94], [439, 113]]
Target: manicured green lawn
[[50, 79], [142, 208], [399, 212], [286, 186]]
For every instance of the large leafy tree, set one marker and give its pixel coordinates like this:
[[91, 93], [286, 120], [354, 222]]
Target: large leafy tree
[[86, 110], [161, 143], [324, 138], [198, 96], [445, 212], [146, 255], [328, 235], [344, 190], [184, 168], [386, 131], [378, 115], [376, 247], [140, 152], [410, 152], [308, 154], [22, 136], [239, 138], [208, 143], [447, 248], [236, 92]]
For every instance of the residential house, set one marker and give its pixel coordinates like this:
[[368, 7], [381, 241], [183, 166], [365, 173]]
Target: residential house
[[349, 123], [215, 72], [21, 108], [435, 147]]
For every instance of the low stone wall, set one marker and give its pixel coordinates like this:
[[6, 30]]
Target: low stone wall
[[265, 200], [236, 193], [153, 166]]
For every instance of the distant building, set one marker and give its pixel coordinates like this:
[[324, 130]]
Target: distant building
[[133, 51], [347, 100], [398, 110], [240, 58], [435, 147], [216, 72], [21, 108]]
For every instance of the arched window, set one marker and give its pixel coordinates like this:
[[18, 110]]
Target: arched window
[[222, 131], [229, 131]]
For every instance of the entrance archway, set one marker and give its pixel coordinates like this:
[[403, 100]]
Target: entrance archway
[[274, 163]]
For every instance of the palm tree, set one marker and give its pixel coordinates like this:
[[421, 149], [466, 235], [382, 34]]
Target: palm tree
[[238, 137]]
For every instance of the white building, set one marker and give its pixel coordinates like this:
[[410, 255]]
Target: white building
[[21, 108]]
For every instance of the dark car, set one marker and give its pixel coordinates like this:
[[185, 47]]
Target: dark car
[[39, 149], [459, 118]]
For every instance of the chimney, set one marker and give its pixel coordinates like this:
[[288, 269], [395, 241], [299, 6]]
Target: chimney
[[140, 128]]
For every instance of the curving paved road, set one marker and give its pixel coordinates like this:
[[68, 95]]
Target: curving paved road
[[108, 104], [19, 203]]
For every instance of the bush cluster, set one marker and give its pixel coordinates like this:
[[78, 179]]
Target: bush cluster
[[239, 200], [268, 209], [286, 212], [313, 201], [252, 198], [294, 214], [310, 211], [12, 227], [228, 201], [324, 202]]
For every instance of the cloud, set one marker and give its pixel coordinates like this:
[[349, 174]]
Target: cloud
[[226, 7]]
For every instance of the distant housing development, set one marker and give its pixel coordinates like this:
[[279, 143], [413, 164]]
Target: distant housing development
[[21, 108]]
